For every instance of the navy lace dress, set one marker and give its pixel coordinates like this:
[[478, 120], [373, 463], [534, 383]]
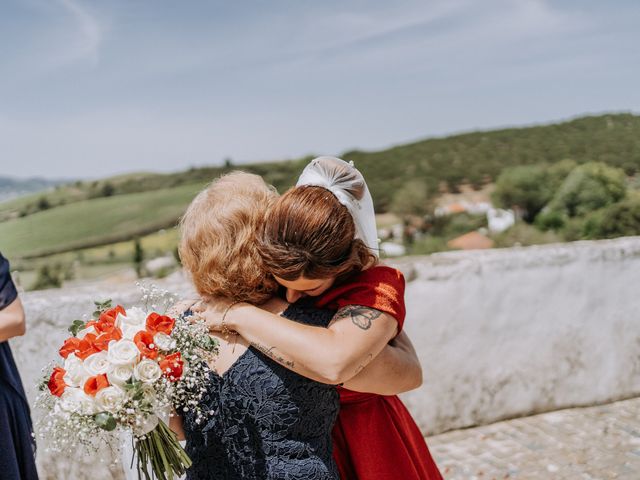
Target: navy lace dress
[[268, 422], [17, 446]]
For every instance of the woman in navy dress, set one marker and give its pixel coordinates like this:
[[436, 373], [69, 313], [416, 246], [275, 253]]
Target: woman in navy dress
[[17, 446]]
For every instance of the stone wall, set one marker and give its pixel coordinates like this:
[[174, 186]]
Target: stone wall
[[506, 333], [500, 333]]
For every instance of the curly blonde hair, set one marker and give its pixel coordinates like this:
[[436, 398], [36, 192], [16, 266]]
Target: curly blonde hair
[[218, 238]]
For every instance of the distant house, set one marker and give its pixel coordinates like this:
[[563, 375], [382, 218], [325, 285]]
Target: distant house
[[474, 208], [471, 241], [500, 220], [450, 209]]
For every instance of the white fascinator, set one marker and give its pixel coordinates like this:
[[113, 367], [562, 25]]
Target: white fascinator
[[348, 185]]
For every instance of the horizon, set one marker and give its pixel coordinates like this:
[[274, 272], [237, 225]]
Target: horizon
[[387, 147], [94, 89]]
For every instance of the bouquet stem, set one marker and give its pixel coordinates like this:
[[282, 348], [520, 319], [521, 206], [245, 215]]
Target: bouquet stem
[[160, 450]]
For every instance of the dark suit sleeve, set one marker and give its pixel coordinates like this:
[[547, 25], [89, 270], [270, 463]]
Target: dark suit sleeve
[[8, 292]]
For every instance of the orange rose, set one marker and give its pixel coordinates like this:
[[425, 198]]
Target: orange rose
[[101, 326], [56, 382], [144, 342], [171, 366], [81, 347], [69, 346], [109, 316], [101, 342], [160, 323], [94, 384], [86, 346]]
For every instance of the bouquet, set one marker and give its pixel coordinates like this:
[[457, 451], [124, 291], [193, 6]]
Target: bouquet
[[117, 373]]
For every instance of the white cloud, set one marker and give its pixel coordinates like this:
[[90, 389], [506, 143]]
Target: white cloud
[[84, 45]]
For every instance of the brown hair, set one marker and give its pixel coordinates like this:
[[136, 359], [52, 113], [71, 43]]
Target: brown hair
[[309, 233], [218, 244]]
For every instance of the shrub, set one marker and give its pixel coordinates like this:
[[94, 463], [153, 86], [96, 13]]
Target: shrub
[[411, 199], [617, 220], [551, 220], [48, 277], [138, 256], [43, 203], [531, 187], [589, 187], [450, 226]]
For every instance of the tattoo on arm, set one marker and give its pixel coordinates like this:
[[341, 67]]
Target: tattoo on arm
[[271, 353], [361, 317]]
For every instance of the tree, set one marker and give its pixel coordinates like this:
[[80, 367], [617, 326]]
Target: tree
[[138, 256], [557, 172], [47, 278], [43, 203], [587, 188], [107, 189], [412, 199], [617, 220], [526, 187]]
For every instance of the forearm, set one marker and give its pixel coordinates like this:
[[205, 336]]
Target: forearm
[[326, 355], [395, 370], [12, 323]]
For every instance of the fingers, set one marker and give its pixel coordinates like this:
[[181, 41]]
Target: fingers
[[199, 307]]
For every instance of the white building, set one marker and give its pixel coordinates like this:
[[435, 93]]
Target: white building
[[500, 220]]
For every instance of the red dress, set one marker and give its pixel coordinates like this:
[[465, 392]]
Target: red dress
[[375, 437]]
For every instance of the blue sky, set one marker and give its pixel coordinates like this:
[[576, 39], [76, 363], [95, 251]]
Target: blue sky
[[98, 88]]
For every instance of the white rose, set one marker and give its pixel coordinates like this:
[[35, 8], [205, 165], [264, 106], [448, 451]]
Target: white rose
[[135, 317], [147, 371], [133, 322], [75, 400], [110, 399], [97, 363], [129, 331], [120, 374], [163, 341], [76, 375], [122, 352]]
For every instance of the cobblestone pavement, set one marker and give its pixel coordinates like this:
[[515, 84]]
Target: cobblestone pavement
[[600, 442]]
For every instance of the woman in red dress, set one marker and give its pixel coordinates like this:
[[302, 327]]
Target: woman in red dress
[[320, 241]]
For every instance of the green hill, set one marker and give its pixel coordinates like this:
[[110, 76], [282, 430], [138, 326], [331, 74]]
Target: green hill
[[442, 163], [479, 157], [101, 212], [95, 222]]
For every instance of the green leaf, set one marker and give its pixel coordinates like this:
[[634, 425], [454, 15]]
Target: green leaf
[[43, 384], [101, 307], [105, 421], [76, 326]]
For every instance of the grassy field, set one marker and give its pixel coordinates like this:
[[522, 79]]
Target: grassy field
[[95, 222], [81, 190]]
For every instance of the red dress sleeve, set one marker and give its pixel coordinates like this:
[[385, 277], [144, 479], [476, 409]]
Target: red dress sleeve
[[379, 287]]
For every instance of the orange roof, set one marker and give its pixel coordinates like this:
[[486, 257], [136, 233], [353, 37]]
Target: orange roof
[[456, 208], [471, 241]]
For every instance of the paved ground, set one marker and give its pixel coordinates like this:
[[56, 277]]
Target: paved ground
[[600, 442]]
